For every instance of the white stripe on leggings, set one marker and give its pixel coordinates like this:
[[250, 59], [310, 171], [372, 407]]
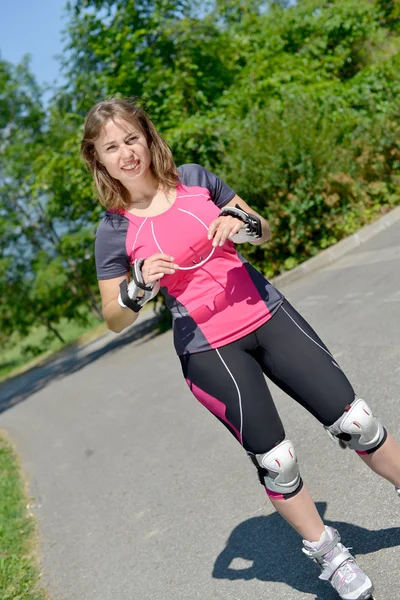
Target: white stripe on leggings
[[239, 394], [309, 337]]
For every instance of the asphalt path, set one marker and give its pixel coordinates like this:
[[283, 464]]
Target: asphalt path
[[141, 494]]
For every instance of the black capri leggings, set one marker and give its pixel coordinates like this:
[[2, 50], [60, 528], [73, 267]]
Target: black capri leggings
[[230, 382]]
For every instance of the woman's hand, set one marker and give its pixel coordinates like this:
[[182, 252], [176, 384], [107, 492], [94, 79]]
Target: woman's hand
[[156, 266], [222, 228]]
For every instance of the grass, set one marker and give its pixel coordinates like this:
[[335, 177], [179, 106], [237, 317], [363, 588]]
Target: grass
[[19, 564], [15, 359]]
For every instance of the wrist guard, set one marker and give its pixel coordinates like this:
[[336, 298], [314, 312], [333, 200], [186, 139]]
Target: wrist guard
[[130, 296], [251, 229]]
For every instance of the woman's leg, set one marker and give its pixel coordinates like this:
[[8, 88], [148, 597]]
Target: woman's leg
[[231, 384], [386, 461], [298, 362], [293, 356], [301, 513]]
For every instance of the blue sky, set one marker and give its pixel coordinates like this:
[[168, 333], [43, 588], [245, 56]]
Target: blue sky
[[33, 27]]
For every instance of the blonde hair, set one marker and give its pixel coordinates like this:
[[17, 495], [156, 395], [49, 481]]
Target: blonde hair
[[112, 193]]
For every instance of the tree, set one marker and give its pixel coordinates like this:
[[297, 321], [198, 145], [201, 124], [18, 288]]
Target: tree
[[160, 51], [43, 271]]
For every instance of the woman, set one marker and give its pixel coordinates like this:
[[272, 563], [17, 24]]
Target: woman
[[175, 231]]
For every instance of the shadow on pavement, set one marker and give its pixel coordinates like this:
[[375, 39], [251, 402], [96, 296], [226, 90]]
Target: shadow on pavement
[[18, 388], [274, 549]]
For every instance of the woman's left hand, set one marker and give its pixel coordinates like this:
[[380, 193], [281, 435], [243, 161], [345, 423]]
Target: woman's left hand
[[222, 228]]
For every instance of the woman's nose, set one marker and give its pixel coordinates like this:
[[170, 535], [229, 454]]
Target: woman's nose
[[126, 151]]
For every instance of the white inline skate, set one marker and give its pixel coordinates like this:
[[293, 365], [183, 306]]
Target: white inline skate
[[339, 566]]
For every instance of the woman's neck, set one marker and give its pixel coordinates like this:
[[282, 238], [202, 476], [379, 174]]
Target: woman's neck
[[144, 189], [162, 200]]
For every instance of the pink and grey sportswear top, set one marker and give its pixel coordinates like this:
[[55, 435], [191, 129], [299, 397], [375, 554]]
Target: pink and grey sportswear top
[[217, 296]]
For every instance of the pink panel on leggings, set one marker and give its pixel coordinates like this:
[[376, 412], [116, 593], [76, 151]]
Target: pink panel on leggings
[[274, 495], [214, 405], [361, 451]]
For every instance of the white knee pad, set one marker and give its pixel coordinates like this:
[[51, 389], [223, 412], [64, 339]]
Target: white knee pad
[[358, 428], [281, 473]]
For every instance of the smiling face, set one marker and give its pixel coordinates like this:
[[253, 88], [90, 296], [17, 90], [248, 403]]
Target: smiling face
[[122, 149]]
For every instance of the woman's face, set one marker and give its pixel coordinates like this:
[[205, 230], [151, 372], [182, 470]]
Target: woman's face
[[123, 150]]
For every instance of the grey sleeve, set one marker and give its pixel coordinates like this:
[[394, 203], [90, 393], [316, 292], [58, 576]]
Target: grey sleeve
[[111, 257], [220, 191]]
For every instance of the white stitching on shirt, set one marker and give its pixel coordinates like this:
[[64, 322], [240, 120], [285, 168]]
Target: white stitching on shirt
[[202, 262], [137, 235]]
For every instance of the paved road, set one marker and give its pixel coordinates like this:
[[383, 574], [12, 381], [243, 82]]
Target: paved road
[[141, 494]]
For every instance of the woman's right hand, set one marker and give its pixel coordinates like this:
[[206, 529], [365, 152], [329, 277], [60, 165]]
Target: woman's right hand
[[158, 265]]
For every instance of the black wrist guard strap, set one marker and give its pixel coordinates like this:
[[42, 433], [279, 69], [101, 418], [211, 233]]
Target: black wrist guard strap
[[251, 229], [136, 294]]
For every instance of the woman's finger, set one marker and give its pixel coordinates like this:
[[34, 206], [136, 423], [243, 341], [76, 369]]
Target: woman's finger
[[156, 264], [217, 238], [162, 264], [154, 272], [160, 256], [222, 234], [212, 228]]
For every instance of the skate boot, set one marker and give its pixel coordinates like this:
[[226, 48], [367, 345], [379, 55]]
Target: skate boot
[[398, 491], [339, 566]]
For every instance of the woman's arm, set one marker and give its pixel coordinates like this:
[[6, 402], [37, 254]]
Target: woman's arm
[[148, 272], [117, 317]]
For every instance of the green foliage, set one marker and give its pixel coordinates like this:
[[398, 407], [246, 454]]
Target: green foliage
[[19, 100], [178, 64], [314, 176], [45, 238], [299, 134], [40, 343], [390, 13], [296, 106]]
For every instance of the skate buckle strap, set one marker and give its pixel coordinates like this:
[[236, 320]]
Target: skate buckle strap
[[331, 567], [326, 548]]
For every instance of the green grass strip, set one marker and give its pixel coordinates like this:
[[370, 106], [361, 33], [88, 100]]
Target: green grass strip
[[19, 572]]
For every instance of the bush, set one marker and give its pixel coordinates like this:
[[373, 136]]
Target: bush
[[314, 176]]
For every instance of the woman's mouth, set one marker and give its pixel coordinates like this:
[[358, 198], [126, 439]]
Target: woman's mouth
[[132, 166]]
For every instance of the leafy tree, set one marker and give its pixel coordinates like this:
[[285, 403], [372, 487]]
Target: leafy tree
[[42, 280], [177, 63], [295, 105], [390, 13]]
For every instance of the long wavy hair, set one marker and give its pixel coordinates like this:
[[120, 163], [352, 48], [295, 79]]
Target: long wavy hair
[[112, 194]]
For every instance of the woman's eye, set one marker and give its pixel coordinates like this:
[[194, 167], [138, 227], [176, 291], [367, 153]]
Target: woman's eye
[[110, 147], [132, 139]]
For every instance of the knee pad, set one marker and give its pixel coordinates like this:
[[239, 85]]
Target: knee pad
[[358, 428], [278, 470]]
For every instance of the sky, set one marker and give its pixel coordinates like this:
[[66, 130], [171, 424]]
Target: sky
[[33, 27]]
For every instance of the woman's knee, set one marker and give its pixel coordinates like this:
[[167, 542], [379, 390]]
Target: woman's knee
[[278, 470], [358, 428]]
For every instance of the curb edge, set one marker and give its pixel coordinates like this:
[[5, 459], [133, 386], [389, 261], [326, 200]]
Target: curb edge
[[335, 252]]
